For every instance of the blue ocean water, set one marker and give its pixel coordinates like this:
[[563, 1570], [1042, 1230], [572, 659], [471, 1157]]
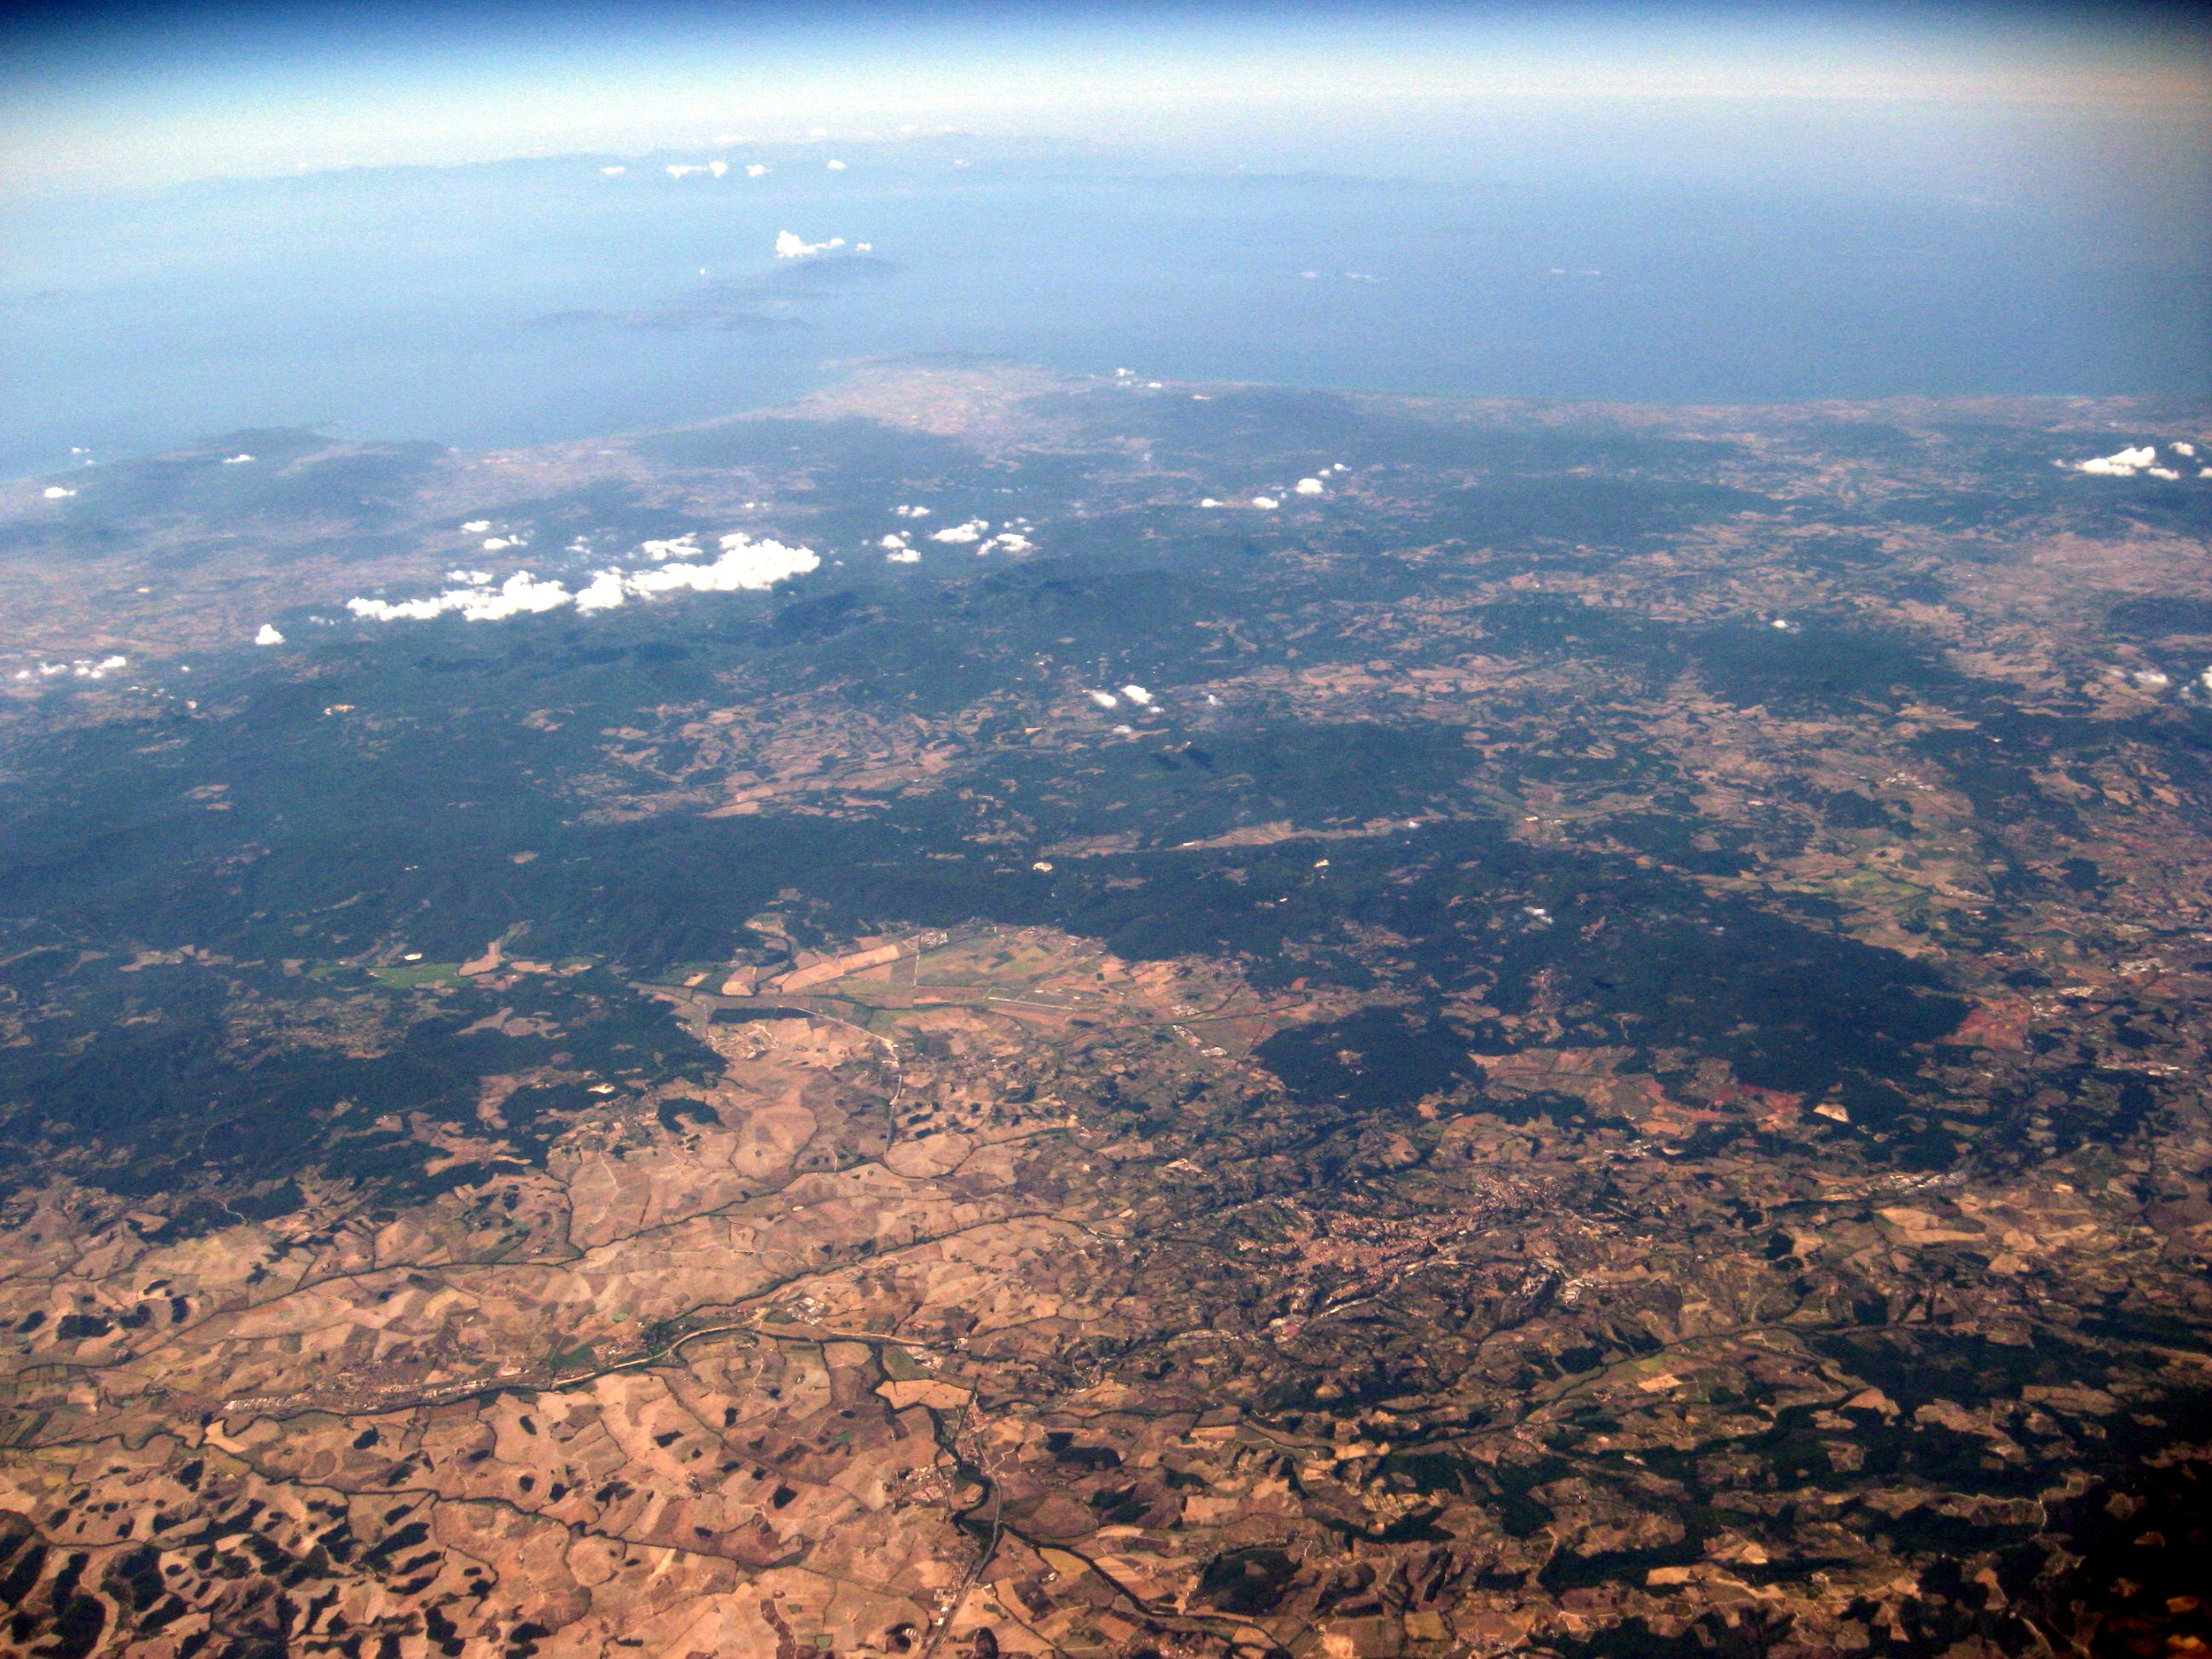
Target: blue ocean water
[[524, 301]]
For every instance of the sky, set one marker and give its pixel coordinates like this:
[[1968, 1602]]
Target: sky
[[99, 97], [492, 223]]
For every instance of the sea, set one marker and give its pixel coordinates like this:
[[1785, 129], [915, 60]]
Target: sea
[[526, 301]]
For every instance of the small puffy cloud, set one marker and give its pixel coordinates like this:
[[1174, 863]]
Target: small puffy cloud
[[56, 492], [494, 544], [1209, 502], [84, 668], [755, 169], [718, 168], [834, 167], [790, 246], [904, 555], [473, 577], [973, 531], [678, 170], [2121, 464], [1309, 486], [1266, 501], [1007, 541], [612, 173], [911, 512], [1137, 694], [603, 593], [1108, 699], [269, 635], [2165, 473], [2189, 450], [2149, 679], [895, 540], [682, 547], [236, 461], [476, 526]]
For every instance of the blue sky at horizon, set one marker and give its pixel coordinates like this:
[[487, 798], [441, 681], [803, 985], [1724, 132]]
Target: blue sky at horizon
[[288, 215], [120, 96]]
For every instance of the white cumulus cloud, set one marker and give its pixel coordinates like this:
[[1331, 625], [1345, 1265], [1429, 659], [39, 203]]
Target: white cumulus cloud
[[268, 636], [973, 531], [603, 593], [476, 526], [755, 169], [718, 168], [612, 173], [1310, 486], [56, 492], [2121, 464], [890, 542], [911, 512], [836, 167], [903, 556], [790, 246], [1265, 502], [744, 565], [1108, 699], [519, 593], [236, 461], [1137, 694]]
